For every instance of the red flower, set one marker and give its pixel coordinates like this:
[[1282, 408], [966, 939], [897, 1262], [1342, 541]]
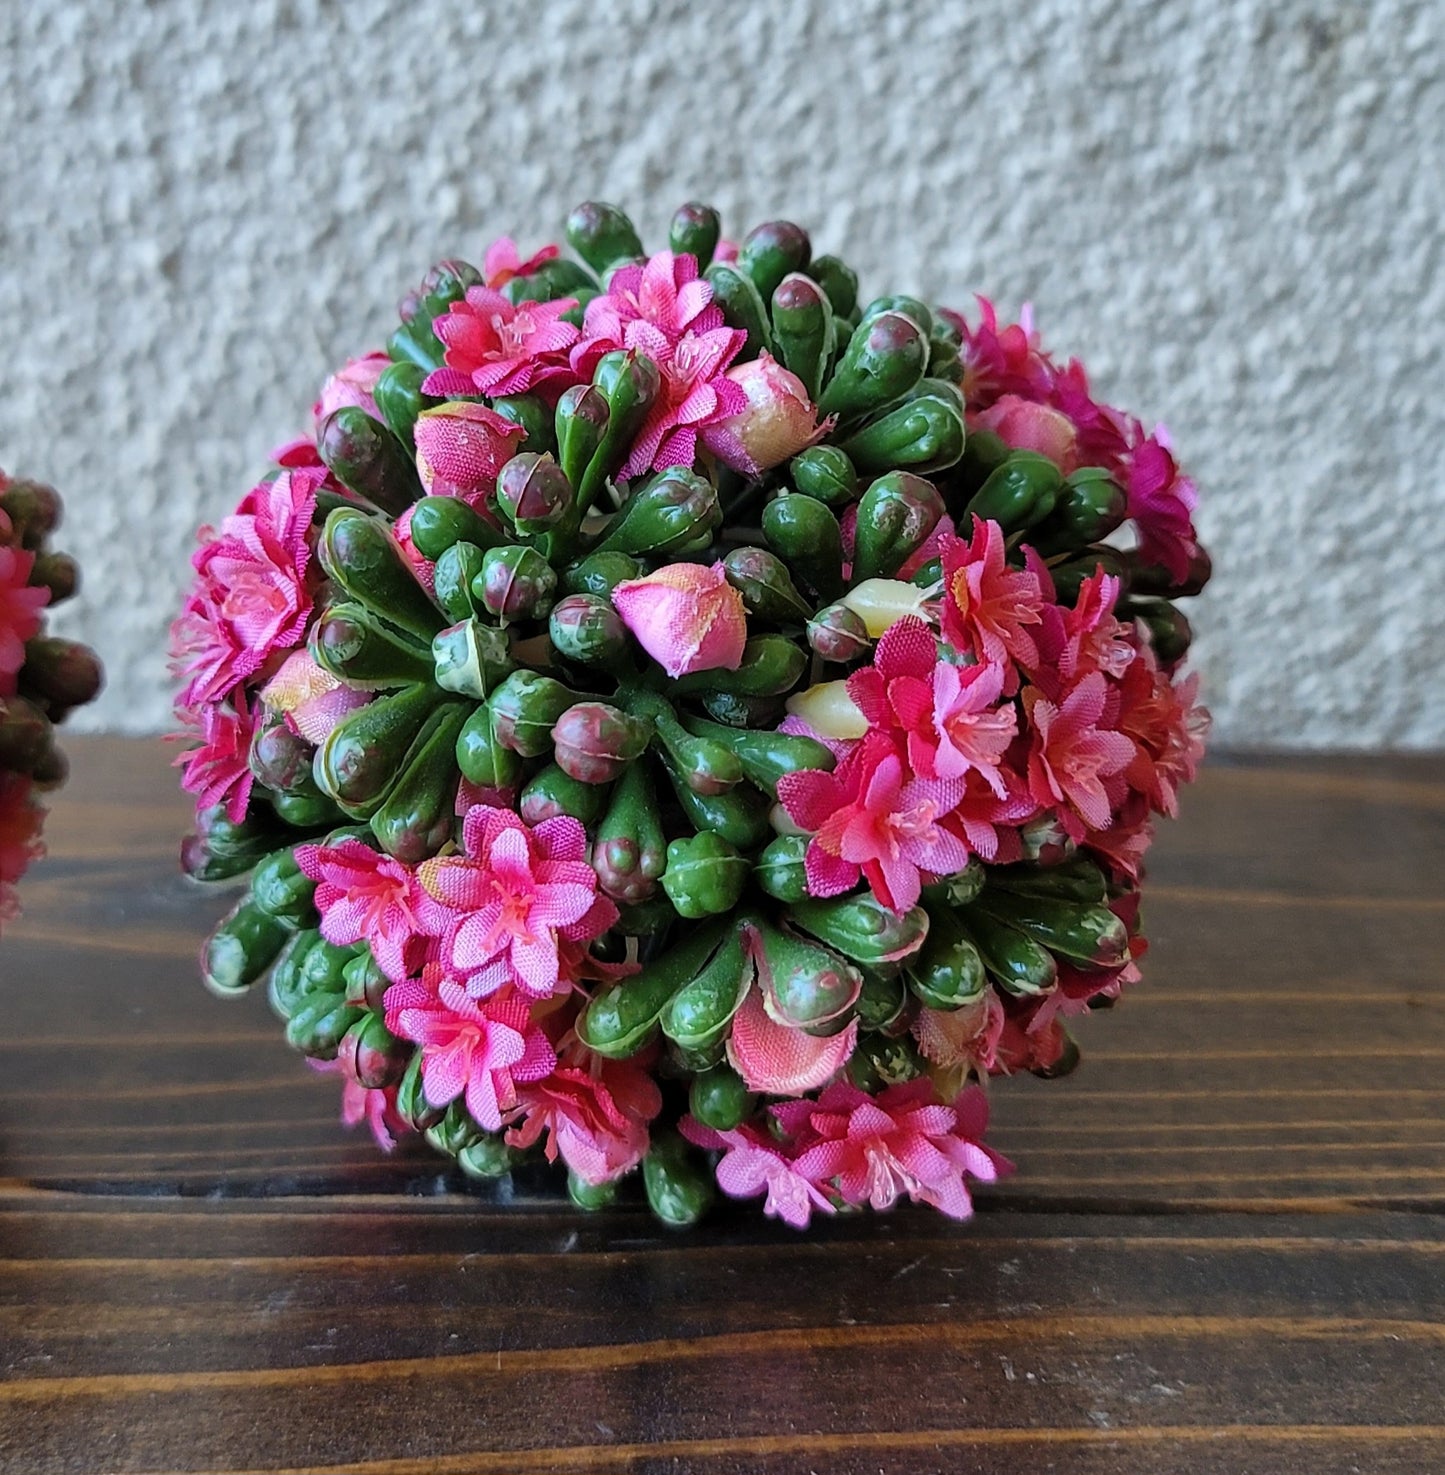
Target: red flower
[[20, 820]]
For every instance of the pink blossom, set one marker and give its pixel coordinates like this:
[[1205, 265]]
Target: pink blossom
[[1168, 727], [311, 699], [596, 1122], [875, 1149], [1088, 637], [460, 448], [20, 844], [352, 384], [648, 308], [364, 896], [482, 1050], [1070, 755], [957, 1041], [778, 421], [780, 1059], [376, 1106], [988, 822], [694, 393], [218, 771], [974, 730], [1027, 426], [20, 606], [999, 361], [752, 1164], [686, 616], [251, 599], [494, 347], [870, 818], [989, 608], [514, 893], [503, 262], [1161, 503]]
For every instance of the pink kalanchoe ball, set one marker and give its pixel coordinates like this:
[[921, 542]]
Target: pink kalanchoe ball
[[1026, 426], [778, 422], [686, 616]]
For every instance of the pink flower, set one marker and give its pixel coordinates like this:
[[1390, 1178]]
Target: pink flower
[[597, 1122], [460, 448], [364, 896], [376, 1106], [352, 384], [648, 308], [870, 818], [780, 1059], [494, 347], [988, 821], [999, 361], [481, 1050], [988, 607], [311, 699], [503, 262], [974, 729], [752, 1164], [1070, 755], [957, 1041], [513, 895], [695, 393], [20, 607], [875, 1149], [1027, 426], [1168, 727], [20, 821], [251, 599], [778, 421], [686, 616], [218, 770]]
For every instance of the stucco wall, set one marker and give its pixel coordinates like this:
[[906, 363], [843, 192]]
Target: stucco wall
[[1232, 211]]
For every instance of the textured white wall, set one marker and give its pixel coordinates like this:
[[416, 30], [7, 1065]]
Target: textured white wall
[[1231, 210]]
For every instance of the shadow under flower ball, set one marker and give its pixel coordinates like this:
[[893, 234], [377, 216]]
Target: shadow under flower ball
[[678, 717]]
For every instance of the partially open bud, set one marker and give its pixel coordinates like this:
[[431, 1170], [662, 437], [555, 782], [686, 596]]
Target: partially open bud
[[470, 658], [686, 616], [354, 383], [1026, 426], [881, 603], [461, 447], [515, 583], [829, 711], [281, 758], [780, 420], [594, 742], [533, 493]]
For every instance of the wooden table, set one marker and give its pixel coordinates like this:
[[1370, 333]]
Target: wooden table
[[1223, 1250]]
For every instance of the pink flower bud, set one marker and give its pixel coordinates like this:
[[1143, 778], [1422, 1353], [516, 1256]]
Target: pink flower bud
[[312, 700], [779, 421], [687, 617], [1025, 426], [460, 448], [352, 384]]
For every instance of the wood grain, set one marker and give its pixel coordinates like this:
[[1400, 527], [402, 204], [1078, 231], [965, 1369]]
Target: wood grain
[[1224, 1249]]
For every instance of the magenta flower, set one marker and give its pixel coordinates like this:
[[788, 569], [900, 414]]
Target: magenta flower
[[649, 308], [987, 607], [481, 1050], [987, 821], [218, 771], [752, 1164], [903, 1141], [512, 895], [460, 448], [364, 896], [20, 844], [494, 347], [251, 599], [999, 361], [871, 818], [503, 262], [1070, 756], [354, 383], [778, 421], [695, 393], [686, 616], [1161, 503], [596, 1122], [20, 607]]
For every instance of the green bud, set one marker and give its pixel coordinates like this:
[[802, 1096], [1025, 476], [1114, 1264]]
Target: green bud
[[765, 756], [363, 559], [825, 472], [470, 658], [487, 1157], [803, 330], [366, 984], [533, 414], [838, 634], [361, 756], [550, 281], [533, 492], [718, 1098], [365, 457], [25, 735], [948, 973], [372, 1055], [283, 891], [781, 870], [694, 232], [880, 1062], [525, 708], [585, 628], [411, 1102], [1069, 577], [771, 251], [439, 523], [419, 813], [241, 949], [913, 307], [600, 573], [34, 510], [550, 793], [630, 852], [679, 1189], [415, 341], [482, 759], [516, 583], [883, 1001], [895, 517], [629, 383], [399, 398], [706, 765], [767, 590], [862, 928], [705, 876], [839, 281], [884, 359], [742, 306], [1170, 633], [580, 423], [1020, 493], [595, 742], [675, 508], [452, 580], [926, 434], [351, 643], [771, 665], [602, 236], [589, 1197], [805, 533], [60, 674], [57, 572], [807, 985]]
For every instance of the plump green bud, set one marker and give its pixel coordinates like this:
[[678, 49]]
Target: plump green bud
[[533, 492], [580, 423], [809, 986], [862, 928], [372, 1055], [764, 583], [781, 870], [770, 251], [825, 472], [839, 634], [366, 984], [602, 236], [34, 510], [838, 280], [351, 643], [1020, 493], [550, 793], [1090, 506], [411, 1102], [487, 1158], [364, 560], [515, 583], [282, 890], [600, 573], [630, 852], [765, 756], [1069, 577], [57, 572], [470, 658], [805, 534], [803, 330], [482, 759], [629, 383], [895, 517], [419, 812], [1016, 962], [913, 307], [439, 523], [883, 360], [589, 1197], [694, 231], [398, 397], [705, 765], [280, 758], [1149, 578], [676, 508], [742, 305], [551, 280], [452, 580], [525, 708], [679, 1188], [415, 341], [241, 949], [1170, 632], [595, 742], [705, 876], [60, 673], [880, 1062], [533, 414], [925, 434], [362, 755], [948, 973], [883, 1001], [364, 456], [719, 1098], [221, 847], [585, 628], [1088, 934], [771, 665]]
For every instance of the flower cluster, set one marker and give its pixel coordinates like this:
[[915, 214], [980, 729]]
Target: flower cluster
[[41, 677], [678, 717]]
